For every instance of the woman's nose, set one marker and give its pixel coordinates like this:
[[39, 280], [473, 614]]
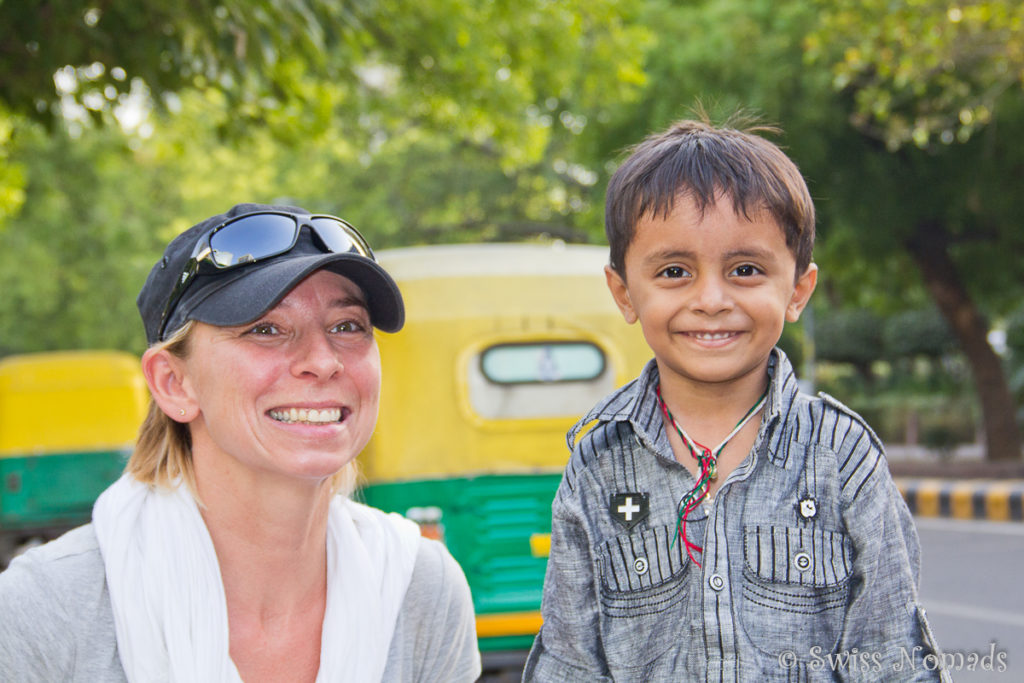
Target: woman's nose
[[317, 356]]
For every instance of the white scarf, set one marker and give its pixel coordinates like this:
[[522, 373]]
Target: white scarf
[[168, 600]]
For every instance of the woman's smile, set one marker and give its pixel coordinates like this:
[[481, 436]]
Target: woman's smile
[[314, 416]]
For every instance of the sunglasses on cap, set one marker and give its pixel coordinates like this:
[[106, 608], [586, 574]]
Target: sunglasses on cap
[[258, 236]]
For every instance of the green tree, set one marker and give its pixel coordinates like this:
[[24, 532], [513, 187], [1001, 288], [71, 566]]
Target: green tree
[[74, 257], [851, 336], [455, 120], [922, 72], [898, 223], [443, 121], [935, 99], [99, 51]]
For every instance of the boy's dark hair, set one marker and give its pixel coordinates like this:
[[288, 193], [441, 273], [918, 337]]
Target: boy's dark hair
[[698, 160]]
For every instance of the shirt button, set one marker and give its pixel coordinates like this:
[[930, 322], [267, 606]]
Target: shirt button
[[802, 562], [716, 582], [640, 565]]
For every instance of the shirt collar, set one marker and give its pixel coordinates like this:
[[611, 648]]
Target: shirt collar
[[645, 413], [637, 403], [782, 392]]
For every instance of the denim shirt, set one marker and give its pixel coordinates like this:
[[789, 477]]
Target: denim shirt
[[810, 559]]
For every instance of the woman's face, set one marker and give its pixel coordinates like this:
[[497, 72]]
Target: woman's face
[[293, 394]]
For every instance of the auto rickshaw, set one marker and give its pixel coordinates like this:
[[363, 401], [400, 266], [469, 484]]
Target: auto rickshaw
[[504, 347], [67, 424]]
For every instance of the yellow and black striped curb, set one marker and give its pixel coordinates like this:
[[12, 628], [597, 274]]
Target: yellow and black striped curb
[[996, 500]]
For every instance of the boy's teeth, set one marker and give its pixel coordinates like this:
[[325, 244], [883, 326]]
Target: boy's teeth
[[711, 335], [310, 416]]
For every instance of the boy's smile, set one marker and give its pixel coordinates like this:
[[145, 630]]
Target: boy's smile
[[712, 291]]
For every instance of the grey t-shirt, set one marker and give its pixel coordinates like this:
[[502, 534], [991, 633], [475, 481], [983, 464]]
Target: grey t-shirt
[[56, 623]]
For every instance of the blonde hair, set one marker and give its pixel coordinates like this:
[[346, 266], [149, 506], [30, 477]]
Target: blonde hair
[[163, 450]]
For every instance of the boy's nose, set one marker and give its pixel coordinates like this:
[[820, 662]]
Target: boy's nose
[[710, 296]]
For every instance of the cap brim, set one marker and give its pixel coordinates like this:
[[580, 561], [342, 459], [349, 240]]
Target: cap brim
[[257, 289]]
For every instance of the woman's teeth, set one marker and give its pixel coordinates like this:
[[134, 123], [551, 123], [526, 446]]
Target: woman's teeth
[[310, 416]]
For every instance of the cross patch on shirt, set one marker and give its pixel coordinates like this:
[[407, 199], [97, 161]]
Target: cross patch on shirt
[[629, 509]]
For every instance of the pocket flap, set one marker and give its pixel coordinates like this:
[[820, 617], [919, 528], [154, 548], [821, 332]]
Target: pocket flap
[[640, 561], [801, 556]]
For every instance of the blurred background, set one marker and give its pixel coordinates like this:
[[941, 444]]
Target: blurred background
[[467, 121]]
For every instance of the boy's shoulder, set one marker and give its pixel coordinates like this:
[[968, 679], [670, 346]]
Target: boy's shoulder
[[621, 405], [616, 406], [825, 429], [819, 420], [839, 422], [613, 422]]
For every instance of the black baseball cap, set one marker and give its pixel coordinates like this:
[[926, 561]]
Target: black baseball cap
[[243, 293]]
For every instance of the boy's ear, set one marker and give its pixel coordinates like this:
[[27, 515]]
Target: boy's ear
[[169, 385], [802, 293], [620, 293]]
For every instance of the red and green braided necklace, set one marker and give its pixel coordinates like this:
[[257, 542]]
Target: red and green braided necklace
[[707, 461]]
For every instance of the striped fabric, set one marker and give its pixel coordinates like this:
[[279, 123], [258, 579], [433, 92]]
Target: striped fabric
[[809, 550]]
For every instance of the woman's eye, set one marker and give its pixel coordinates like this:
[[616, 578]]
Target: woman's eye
[[262, 329], [350, 326], [746, 270], [673, 272]]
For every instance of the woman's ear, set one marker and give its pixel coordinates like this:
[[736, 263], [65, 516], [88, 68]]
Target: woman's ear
[[802, 293], [169, 385], [617, 286]]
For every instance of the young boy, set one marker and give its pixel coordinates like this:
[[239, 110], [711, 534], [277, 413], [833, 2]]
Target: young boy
[[715, 523]]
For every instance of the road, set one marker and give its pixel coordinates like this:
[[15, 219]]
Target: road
[[972, 587]]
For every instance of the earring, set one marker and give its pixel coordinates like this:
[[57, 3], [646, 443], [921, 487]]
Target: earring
[[181, 411]]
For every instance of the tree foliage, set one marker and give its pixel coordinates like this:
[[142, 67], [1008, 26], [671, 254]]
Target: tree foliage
[[921, 72], [849, 336], [98, 51], [935, 96], [420, 122], [917, 332], [451, 120], [70, 263]]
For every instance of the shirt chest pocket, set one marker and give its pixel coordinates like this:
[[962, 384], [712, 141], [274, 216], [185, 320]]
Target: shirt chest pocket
[[643, 595], [795, 588]]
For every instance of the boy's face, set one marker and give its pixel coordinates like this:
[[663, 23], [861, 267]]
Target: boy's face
[[711, 291]]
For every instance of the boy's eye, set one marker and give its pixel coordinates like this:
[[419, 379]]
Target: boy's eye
[[673, 272], [746, 270]]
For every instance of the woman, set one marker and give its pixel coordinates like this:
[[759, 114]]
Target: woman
[[224, 551]]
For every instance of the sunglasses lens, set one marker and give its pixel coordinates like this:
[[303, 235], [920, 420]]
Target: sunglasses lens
[[251, 238], [340, 238]]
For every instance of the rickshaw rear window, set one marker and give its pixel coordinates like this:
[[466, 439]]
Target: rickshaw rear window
[[546, 363]]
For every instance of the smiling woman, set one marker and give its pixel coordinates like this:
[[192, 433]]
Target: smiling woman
[[225, 551]]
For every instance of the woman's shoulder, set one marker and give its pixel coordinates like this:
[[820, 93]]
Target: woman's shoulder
[[65, 566], [436, 569], [435, 637], [55, 612]]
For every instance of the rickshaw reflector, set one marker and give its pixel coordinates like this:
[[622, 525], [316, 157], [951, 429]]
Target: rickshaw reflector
[[540, 545]]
